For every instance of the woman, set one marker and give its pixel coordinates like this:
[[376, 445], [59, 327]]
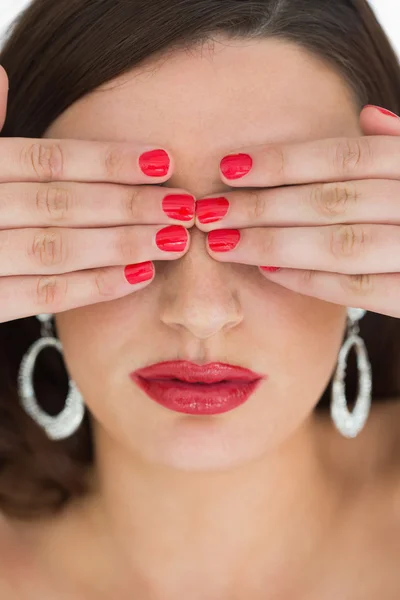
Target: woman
[[190, 460]]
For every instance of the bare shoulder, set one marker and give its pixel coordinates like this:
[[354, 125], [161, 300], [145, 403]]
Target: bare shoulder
[[22, 574], [41, 560], [14, 563]]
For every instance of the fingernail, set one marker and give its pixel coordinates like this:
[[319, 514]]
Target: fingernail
[[179, 206], [384, 111], [270, 269], [172, 239], [235, 166], [139, 273], [155, 163], [210, 210], [223, 240]]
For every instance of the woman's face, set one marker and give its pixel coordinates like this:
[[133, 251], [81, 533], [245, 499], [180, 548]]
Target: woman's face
[[202, 105]]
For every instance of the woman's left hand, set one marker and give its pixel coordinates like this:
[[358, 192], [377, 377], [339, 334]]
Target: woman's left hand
[[334, 230]]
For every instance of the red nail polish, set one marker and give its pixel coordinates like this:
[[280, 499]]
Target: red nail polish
[[270, 269], [235, 166], [154, 163], [139, 273], [384, 111], [210, 210], [179, 206], [172, 239], [223, 240]]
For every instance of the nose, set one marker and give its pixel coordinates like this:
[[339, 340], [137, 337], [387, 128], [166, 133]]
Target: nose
[[200, 295]]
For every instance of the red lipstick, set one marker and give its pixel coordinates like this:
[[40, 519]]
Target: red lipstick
[[188, 388]]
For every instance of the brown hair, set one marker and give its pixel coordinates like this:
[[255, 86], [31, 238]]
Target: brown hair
[[57, 52]]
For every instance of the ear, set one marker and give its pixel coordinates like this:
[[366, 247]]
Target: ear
[[374, 122]]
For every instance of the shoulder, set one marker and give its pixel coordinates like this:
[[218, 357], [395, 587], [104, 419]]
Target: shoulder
[[15, 565]]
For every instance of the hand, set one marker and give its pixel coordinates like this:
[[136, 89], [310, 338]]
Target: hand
[[65, 244], [334, 232]]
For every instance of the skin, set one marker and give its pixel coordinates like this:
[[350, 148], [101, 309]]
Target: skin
[[257, 502]]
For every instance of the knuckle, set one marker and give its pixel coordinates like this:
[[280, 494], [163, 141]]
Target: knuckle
[[45, 160], [275, 158], [332, 200], [54, 202], [307, 277], [103, 284], [352, 153], [257, 205], [361, 285], [49, 248], [113, 161], [125, 245], [133, 206], [268, 243], [51, 292], [348, 240]]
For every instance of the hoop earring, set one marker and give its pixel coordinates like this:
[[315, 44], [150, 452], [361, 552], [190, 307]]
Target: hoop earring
[[349, 424], [67, 422]]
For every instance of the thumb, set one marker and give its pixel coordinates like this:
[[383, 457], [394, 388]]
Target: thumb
[[3, 95], [375, 120]]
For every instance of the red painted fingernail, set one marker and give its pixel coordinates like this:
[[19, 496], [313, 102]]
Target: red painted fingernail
[[235, 166], [385, 111], [270, 269], [210, 210], [172, 239], [139, 273], [223, 240], [179, 206], [154, 163]]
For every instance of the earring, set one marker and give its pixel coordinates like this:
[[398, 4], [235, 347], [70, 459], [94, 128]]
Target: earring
[[351, 423], [67, 422]]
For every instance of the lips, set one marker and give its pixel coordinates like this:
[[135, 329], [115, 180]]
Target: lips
[[192, 373], [183, 386]]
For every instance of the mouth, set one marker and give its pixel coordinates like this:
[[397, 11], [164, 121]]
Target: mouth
[[188, 388]]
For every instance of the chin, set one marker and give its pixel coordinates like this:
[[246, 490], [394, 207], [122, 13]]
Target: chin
[[196, 446]]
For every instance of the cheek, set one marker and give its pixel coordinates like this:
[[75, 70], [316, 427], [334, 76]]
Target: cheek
[[100, 341], [312, 355], [299, 338], [313, 337]]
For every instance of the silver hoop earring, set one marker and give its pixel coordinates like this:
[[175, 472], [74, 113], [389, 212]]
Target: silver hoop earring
[[67, 422], [351, 423]]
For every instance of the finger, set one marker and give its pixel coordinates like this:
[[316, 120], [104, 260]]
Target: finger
[[22, 297], [378, 293], [348, 249], [59, 250], [4, 87], [336, 159], [375, 120], [91, 205], [45, 160], [366, 201]]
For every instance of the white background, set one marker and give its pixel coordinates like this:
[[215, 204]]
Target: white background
[[388, 12]]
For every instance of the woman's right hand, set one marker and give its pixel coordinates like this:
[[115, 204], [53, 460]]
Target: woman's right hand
[[73, 215]]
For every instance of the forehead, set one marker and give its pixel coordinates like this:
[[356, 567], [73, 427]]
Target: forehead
[[213, 99]]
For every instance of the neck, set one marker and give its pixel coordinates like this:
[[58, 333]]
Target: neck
[[240, 529]]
